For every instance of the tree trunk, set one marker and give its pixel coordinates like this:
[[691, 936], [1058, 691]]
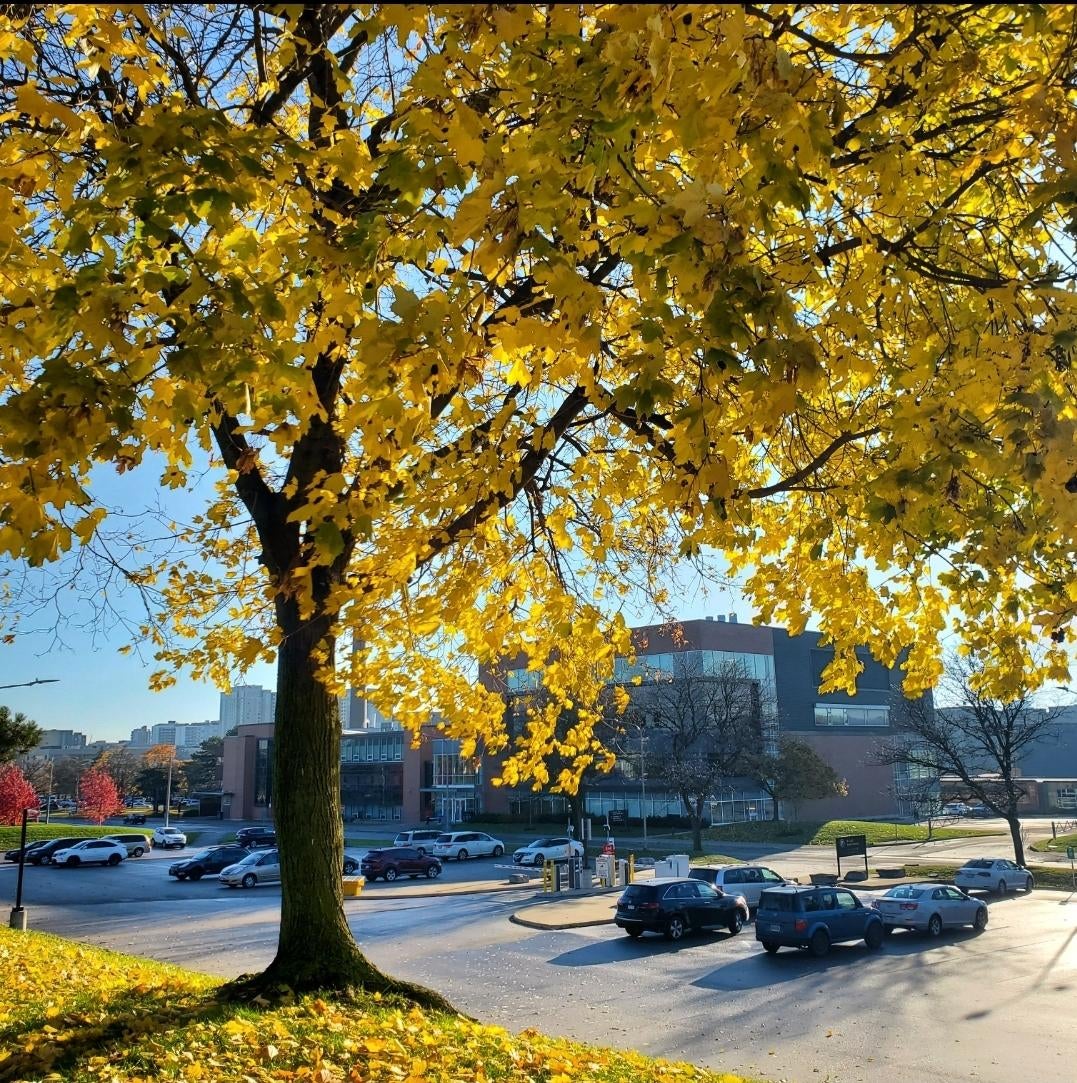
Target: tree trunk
[[315, 950], [774, 802], [1015, 835]]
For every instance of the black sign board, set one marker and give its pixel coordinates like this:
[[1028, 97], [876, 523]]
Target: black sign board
[[851, 845], [617, 817]]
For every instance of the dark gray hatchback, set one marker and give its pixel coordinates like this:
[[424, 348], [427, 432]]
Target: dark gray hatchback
[[814, 918], [673, 907]]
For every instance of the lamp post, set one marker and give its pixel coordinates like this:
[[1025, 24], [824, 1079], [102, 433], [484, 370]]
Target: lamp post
[[643, 783], [48, 795], [18, 913], [168, 784]]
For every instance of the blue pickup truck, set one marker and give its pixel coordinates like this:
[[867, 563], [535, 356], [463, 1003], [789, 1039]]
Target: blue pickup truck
[[814, 918]]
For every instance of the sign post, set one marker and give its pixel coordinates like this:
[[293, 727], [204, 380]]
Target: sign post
[[1073, 875], [852, 846]]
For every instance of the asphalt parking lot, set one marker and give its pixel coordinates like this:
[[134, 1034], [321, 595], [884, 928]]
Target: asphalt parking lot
[[990, 1007]]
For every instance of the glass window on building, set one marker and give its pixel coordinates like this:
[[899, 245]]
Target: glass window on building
[[1066, 797], [263, 772], [836, 715]]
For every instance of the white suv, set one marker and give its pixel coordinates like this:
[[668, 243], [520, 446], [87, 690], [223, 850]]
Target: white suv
[[750, 881], [166, 837]]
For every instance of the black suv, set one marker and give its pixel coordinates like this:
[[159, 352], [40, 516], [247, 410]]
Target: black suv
[[209, 861], [253, 837], [674, 907], [42, 855]]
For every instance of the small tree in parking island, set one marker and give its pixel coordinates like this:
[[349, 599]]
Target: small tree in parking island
[[16, 794], [797, 773], [98, 796], [480, 318]]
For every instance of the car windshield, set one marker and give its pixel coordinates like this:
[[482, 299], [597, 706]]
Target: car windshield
[[904, 892], [775, 900], [635, 893], [979, 863], [444, 838]]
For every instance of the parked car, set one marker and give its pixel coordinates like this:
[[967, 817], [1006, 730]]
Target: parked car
[[214, 859], [253, 837], [814, 918], [91, 852], [979, 812], [930, 908], [746, 880], [547, 849], [43, 854], [465, 844], [351, 864], [674, 906], [14, 855], [134, 818], [955, 808], [993, 874], [399, 861], [168, 837], [136, 844], [259, 867], [422, 839]]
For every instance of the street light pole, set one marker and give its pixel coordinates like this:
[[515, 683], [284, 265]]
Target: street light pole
[[168, 784], [643, 785], [48, 796]]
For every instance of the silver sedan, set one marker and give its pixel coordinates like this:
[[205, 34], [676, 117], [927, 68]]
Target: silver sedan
[[930, 908]]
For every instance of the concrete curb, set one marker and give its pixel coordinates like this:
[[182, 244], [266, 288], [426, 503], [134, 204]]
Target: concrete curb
[[548, 927], [378, 894]]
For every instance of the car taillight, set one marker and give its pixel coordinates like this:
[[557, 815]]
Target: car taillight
[[800, 925], [648, 906], [910, 906]]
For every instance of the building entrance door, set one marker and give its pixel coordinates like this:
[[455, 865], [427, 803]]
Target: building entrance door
[[452, 809]]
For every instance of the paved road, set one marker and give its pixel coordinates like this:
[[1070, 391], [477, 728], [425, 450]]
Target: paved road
[[990, 1008]]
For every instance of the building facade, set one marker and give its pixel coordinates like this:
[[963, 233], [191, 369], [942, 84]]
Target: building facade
[[247, 705]]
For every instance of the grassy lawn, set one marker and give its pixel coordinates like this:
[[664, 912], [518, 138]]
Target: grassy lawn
[[1055, 879], [824, 834], [9, 836], [1059, 844], [74, 1014]]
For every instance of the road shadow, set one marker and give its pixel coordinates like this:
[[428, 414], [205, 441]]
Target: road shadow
[[618, 949], [761, 970]]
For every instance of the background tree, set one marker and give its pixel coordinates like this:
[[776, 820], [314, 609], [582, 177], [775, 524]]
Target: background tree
[[38, 771], [484, 316], [16, 794], [205, 769], [703, 726], [979, 742], [122, 767], [66, 774], [98, 796], [795, 773], [153, 778], [18, 734]]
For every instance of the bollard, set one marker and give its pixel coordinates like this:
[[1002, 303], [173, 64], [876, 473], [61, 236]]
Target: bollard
[[631, 868], [547, 877]]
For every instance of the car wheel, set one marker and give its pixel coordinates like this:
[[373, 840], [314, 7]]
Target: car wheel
[[181, 876], [676, 927], [873, 936], [736, 923], [1002, 888], [196, 874], [46, 860], [433, 872], [1029, 884], [138, 851], [498, 851], [114, 860], [71, 862], [390, 873], [634, 933], [350, 868], [819, 944], [934, 925], [462, 855], [980, 921], [770, 947], [250, 880]]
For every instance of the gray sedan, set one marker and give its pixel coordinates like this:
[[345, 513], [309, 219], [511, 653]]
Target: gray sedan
[[930, 908]]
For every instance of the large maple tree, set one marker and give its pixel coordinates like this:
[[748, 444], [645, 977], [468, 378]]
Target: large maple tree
[[488, 315]]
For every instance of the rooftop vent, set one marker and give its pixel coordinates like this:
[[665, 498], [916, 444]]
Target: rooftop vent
[[721, 618], [732, 618]]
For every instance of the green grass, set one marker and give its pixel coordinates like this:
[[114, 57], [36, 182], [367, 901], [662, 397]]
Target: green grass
[[1059, 844], [1051, 878], [9, 836], [77, 1014], [824, 834]]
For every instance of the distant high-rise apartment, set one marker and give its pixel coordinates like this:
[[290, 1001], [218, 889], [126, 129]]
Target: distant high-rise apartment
[[141, 737], [247, 705]]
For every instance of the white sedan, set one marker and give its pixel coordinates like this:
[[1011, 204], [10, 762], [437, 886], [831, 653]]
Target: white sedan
[[91, 852], [930, 908], [547, 849], [993, 874], [464, 844]]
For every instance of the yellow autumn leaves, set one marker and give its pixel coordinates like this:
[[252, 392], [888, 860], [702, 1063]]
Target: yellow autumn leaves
[[83, 1015]]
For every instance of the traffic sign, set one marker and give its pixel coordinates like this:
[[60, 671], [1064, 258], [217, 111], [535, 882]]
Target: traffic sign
[[1069, 852]]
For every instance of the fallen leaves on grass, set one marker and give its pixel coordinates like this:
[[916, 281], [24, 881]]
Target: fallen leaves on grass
[[79, 1014]]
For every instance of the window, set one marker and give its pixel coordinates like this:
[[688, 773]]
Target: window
[[679, 891], [1066, 797], [831, 714], [770, 877], [846, 900], [705, 891], [734, 876]]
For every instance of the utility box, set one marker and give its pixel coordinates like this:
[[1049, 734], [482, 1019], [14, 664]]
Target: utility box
[[679, 863], [606, 870]]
